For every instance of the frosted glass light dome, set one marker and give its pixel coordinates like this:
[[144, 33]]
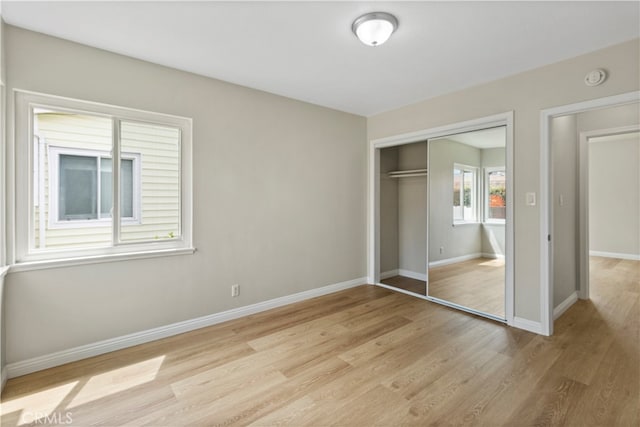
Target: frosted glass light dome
[[374, 28]]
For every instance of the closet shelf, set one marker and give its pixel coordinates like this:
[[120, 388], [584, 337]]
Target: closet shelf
[[407, 173]]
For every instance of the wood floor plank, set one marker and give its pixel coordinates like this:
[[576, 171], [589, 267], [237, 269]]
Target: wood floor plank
[[440, 390], [556, 396], [443, 356], [376, 407]]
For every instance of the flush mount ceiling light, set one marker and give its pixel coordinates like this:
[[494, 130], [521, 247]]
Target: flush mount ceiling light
[[374, 28]]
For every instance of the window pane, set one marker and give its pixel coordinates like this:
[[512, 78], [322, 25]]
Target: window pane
[[78, 187], [469, 197], [464, 193], [158, 148], [497, 195], [126, 188], [106, 186], [457, 185], [67, 181], [468, 185]]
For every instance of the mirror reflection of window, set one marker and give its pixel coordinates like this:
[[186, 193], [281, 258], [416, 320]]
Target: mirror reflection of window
[[496, 195], [464, 194]]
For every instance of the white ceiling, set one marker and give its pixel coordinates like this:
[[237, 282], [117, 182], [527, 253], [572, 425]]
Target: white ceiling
[[306, 50]]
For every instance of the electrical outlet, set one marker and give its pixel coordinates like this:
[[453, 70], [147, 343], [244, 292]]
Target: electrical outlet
[[235, 290], [441, 250]]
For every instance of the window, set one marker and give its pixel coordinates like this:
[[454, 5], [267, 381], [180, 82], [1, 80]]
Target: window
[[495, 195], [465, 200], [99, 180], [81, 189]]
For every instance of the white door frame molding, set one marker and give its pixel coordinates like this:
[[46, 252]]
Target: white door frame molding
[[373, 207], [546, 211]]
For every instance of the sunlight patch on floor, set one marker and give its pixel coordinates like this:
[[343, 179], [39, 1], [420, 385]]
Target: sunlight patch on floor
[[117, 380], [43, 403], [498, 262]]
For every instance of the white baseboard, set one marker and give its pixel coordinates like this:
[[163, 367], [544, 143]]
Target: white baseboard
[[39, 363], [4, 376], [632, 257], [413, 274], [387, 274], [455, 260], [564, 305], [527, 325]]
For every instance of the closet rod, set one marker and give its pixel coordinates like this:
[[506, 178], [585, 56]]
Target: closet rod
[[407, 173]]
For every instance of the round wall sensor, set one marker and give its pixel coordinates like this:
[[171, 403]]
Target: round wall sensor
[[595, 77]]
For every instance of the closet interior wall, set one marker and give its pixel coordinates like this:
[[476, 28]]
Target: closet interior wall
[[403, 212]]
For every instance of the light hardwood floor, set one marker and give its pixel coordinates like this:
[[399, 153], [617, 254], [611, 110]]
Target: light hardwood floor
[[407, 283], [477, 283], [363, 357]]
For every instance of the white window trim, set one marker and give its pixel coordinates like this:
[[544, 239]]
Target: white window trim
[[474, 195], [486, 195], [21, 257], [54, 186]]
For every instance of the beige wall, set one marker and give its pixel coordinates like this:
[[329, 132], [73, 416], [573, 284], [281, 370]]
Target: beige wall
[[389, 260], [279, 202], [526, 94], [614, 195], [564, 155], [607, 118], [412, 205]]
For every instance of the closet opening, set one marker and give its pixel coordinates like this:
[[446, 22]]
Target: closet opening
[[403, 210]]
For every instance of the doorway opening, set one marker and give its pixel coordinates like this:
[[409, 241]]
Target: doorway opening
[[609, 188], [564, 199]]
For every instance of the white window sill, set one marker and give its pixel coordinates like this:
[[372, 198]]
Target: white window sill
[[456, 224], [4, 271], [96, 259], [494, 222]]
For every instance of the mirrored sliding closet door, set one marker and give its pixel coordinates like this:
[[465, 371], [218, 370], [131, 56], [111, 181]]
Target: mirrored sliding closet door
[[467, 219]]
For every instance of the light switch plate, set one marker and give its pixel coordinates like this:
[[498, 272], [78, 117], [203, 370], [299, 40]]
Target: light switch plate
[[531, 199]]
